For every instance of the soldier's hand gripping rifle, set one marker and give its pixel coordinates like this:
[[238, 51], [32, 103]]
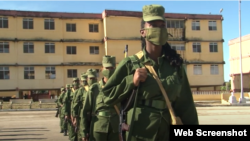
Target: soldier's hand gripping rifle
[[125, 106]]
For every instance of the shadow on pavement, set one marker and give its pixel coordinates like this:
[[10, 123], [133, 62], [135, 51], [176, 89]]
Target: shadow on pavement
[[22, 135], [24, 139], [24, 130]]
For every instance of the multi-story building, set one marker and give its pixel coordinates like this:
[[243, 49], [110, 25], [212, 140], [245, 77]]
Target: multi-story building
[[45, 50], [235, 70]]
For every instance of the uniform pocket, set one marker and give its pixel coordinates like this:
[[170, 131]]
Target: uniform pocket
[[146, 123], [101, 124]]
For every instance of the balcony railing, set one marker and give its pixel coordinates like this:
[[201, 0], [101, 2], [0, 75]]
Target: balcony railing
[[176, 34], [210, 92]]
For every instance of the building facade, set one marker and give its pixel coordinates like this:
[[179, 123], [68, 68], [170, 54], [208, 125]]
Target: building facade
[[235, 71], [43, 51]]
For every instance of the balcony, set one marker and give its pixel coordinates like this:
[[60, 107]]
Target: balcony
[[176, 34]]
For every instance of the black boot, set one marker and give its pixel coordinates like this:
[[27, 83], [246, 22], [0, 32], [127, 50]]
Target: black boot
[[61, 131], [65, 133]]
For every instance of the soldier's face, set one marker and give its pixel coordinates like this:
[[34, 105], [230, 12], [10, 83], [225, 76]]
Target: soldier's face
[[151, 24]]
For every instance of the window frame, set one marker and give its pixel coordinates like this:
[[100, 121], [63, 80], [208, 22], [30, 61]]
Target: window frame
[[28, 44], [71, 50], [94, 50], [72, 73], [197, 69], [212, 25], [30, 72], [70, 27], [4, 22], [4, 72], [50, 70], [4, 46], [196, 47], [49, 24], [93, 29], [28, 23], [49, 48], [214, 69], [213, 47], [196, 25]]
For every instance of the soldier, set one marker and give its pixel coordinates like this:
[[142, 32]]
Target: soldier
[[61, 115], [88, 105], [84, 80], [105, 122], [68, 101], [65, 109], [77, 106], [76, 84], [150, 118]]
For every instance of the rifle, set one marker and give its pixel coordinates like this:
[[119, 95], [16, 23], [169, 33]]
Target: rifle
[[57, 112], [125, 106]]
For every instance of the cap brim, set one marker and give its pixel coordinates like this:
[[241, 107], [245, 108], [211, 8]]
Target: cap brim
[[153, 18], [107, 65], [90, 76]]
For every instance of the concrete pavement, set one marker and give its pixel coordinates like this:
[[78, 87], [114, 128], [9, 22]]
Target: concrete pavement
[[44, 126]]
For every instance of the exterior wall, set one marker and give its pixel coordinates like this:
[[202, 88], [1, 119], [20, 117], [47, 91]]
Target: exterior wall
[[203, 33], [234, 51], [116, 29], [40, 82], [206, 78], [205, 55]]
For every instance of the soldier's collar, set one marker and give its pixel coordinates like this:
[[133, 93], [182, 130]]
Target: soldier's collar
[[146, 59]]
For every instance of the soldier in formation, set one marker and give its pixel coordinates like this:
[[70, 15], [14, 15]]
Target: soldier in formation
[[153, 81]]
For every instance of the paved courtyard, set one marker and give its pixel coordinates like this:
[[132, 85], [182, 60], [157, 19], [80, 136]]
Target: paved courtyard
[[44, 126]]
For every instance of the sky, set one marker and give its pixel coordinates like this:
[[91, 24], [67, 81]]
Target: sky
[[230, 13]]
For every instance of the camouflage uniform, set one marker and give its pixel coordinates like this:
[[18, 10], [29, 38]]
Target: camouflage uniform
[[61, 115]]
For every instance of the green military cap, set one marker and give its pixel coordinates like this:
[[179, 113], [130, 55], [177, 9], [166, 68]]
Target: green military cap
[[153, 12], [91, 73], [71, 85], [108, 61], [76, 79], [62, 89], [84, 77], [67, 85]]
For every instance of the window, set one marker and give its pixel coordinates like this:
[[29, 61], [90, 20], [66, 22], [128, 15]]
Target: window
[[49, 24], [49, 48], [27, 23], [178, 46], [213, 47], [212, 25], [175, 24], [196, 25], [28, 47], [214, 69], [93, 27], [196, 47], [197, 70], [71, 27], [4, 47], [29, 73], [4, 22], [94, 50], [50, 72], [72, 73], [4, 73], [71, 49]]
